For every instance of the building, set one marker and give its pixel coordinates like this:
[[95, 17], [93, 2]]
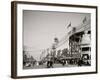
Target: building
[[80, 42]]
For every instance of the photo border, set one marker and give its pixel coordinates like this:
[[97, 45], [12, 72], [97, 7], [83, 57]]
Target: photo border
[[14, 37]]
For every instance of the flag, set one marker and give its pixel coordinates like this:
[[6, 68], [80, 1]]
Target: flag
[[69, 25], [84, 20]]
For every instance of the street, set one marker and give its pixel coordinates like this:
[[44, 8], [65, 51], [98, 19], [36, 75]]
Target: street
[[45, 66]]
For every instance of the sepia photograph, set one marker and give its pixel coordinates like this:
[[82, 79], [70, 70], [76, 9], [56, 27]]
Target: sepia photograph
[[53, 39], [56, 39]]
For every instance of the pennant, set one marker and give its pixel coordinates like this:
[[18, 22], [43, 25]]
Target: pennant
[[69, 25], [84, 20]]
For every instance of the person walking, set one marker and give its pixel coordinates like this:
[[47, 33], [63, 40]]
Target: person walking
[[50, 61]]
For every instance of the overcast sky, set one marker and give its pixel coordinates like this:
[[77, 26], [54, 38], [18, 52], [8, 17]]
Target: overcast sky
[[41, 27]]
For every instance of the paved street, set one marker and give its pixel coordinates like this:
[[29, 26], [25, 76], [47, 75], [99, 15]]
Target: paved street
[[54, 66]]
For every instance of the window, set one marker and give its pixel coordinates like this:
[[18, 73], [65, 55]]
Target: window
[[85, 48]]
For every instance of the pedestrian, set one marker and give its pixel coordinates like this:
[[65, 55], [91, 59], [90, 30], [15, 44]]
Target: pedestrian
[[51, 62], [63, 62], [79, 62], [48, 61]]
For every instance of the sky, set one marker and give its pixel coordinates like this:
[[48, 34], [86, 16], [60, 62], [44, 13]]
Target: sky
[[41, 27]]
